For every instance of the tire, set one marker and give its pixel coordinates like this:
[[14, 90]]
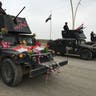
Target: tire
[[11, 74], [86, 54]]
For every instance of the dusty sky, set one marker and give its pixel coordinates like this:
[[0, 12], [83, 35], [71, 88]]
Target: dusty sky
[[37, 11]]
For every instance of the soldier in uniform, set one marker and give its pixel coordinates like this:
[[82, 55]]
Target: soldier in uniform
[[2, 11], [93, 36], [66, 28]]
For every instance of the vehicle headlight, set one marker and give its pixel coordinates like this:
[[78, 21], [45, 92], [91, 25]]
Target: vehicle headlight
[[21, 55]]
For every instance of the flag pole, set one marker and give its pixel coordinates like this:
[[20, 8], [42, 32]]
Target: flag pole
[[51, 25], [50, 28]]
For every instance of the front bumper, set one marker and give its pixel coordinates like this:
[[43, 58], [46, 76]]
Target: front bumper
[[44, 67]]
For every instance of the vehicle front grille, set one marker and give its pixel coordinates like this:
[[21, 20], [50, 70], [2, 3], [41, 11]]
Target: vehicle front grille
[[44, 57]]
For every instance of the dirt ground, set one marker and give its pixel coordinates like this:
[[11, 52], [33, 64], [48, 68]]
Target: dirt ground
[[78, 78]]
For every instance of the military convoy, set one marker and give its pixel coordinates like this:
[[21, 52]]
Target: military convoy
[[21, 54], [73, 43]]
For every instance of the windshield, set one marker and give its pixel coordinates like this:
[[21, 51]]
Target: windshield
[[28, 39], [15, 40], [10, 39]]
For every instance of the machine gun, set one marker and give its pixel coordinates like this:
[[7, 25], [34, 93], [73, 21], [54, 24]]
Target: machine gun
[[18, 15]]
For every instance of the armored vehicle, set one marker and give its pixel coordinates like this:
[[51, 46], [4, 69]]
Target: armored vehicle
[[21, 54], [73, 43]]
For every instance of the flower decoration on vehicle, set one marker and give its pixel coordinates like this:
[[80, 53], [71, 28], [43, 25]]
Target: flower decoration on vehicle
[[4, 44], [46, 48], [30, 52], [4, 30], [38, 43], [23, 42]]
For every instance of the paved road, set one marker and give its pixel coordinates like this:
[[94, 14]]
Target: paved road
[[78, 78]]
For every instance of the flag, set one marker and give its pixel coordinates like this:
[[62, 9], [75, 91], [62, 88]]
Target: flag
[[49, 18], [80, 27]]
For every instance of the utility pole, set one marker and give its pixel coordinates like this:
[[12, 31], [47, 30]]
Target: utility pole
[[50, 28]]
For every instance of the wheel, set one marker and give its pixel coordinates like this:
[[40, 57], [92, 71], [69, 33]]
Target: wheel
[[86, 54], [11, 73]]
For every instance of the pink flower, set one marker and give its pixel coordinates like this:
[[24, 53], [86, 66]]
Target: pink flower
[[5, 44]]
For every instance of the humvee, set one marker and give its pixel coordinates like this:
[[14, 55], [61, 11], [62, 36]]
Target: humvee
[[73, 43], [17, 59]]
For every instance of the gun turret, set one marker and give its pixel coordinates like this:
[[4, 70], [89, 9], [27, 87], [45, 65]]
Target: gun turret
[[14, 24]]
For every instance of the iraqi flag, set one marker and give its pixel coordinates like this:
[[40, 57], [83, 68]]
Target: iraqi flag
[[49, 18]]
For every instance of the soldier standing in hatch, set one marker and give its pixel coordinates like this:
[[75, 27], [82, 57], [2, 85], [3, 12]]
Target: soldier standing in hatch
[[2, 11], [66, 28]]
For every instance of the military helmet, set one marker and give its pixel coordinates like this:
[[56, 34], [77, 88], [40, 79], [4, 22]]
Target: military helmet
[[66, 23]]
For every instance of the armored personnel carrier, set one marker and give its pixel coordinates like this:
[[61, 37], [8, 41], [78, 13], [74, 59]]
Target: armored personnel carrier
[[74, 43], [20, 53]]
